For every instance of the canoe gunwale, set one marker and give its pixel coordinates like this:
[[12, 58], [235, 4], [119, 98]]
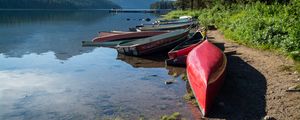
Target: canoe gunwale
[[178, 51], [183, 32], [134, 49], [166, 27], [175, 49], [118, 36], [164, 45], [191, 45], [177, 21], [110, 44], [136, 45]]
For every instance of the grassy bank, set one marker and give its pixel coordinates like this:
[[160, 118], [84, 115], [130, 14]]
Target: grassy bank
[[275, 27]]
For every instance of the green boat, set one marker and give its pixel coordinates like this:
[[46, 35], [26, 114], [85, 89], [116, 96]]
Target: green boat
[[111, 44], [153, 44]]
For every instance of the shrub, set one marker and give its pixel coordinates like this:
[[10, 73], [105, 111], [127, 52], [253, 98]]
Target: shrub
[[275, 26]]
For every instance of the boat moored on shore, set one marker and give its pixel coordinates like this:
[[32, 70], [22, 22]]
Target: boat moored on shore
[[118, 35], [152, 44], [206, 65], [158, 27], [177, 56]]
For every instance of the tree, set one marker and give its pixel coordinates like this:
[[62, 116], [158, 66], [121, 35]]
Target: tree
[[163, 5], [192, 4]]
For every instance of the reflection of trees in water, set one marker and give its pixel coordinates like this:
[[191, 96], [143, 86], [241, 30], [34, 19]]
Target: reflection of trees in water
[[152, 61], [63, 49], [24, 32], [37, 16], [57, 4]]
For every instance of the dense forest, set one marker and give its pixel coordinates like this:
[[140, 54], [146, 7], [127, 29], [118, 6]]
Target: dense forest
[[265, 24], [163, 4], [57, 4], [198, 4]]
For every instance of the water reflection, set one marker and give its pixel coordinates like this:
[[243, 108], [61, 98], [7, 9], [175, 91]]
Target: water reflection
[[24, 32], [48, 16], [46, 74], [152, 61], [88, 86]]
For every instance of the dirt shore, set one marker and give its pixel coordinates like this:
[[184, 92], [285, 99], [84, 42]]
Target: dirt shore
[[256, 84]]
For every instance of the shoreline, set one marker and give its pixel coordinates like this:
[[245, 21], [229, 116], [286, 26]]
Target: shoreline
[[75, 9], [256, 83]]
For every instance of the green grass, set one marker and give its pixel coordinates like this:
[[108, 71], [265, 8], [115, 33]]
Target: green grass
[[273, 27], [174, 116], [184, 77], [189, 97]]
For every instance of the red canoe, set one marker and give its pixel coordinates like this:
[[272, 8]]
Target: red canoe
[[119, 35], [177, 56], [206, 65]]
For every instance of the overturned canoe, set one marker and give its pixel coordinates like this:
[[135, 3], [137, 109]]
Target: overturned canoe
[[119, 35], [206, 65], [177, 56], [152, 44]]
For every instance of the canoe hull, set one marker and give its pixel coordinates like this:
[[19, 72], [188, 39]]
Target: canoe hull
[[164, 22], [154, 46], [167, 26], [182, 52], [206, 65], [177, 56], [115, 36], [111, 44]]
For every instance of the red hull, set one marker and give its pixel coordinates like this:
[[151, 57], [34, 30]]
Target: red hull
[[113, 36], [206, 66], [182, 52], [178, 55]]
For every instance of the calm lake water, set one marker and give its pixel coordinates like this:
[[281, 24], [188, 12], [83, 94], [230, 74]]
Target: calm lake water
[[46, 74]]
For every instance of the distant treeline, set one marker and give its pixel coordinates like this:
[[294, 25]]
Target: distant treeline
[[163, 4], [198, 4], [57, 4]]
